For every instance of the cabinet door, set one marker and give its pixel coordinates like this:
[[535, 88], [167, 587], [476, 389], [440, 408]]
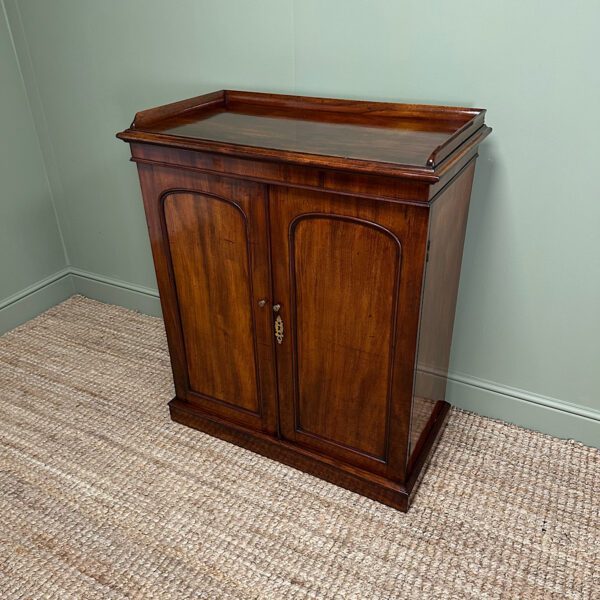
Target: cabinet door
[[210, 244], [347, 274]]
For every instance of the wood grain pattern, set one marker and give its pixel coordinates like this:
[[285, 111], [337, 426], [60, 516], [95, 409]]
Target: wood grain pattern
[[385, 138], [294, 131], [344, 219], [355, 270], [447, 228], [208, 241], [366, 185], [345, 286], [213, 267]]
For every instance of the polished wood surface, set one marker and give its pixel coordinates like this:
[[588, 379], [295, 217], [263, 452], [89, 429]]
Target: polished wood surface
[[348, 275], [307, 253], [401, 139], [402, 190], [295, 131], [208, 241], [447, 228], [344, 348]]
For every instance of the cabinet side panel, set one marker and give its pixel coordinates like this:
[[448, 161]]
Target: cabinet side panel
[[447, 227]]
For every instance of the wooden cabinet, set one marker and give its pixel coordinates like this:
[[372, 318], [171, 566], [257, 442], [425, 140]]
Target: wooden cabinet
[[216, 237], [308, 254]]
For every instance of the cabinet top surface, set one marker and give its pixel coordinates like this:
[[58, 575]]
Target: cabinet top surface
[[346, 134]]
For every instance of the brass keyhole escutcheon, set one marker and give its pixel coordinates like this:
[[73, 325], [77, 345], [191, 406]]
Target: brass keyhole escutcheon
[[279, 329]]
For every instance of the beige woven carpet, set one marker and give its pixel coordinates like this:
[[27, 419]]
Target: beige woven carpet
[[101, 496]]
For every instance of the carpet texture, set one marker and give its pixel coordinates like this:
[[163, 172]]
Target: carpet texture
[[102, 496]]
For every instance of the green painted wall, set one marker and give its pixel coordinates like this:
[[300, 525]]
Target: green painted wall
[[527, 330], [31, 251], [96, 63]]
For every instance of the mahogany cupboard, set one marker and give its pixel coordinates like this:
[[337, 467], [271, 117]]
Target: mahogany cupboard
[[308, 254]]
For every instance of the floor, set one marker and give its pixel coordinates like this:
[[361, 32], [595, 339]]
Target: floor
[[102, 496]]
